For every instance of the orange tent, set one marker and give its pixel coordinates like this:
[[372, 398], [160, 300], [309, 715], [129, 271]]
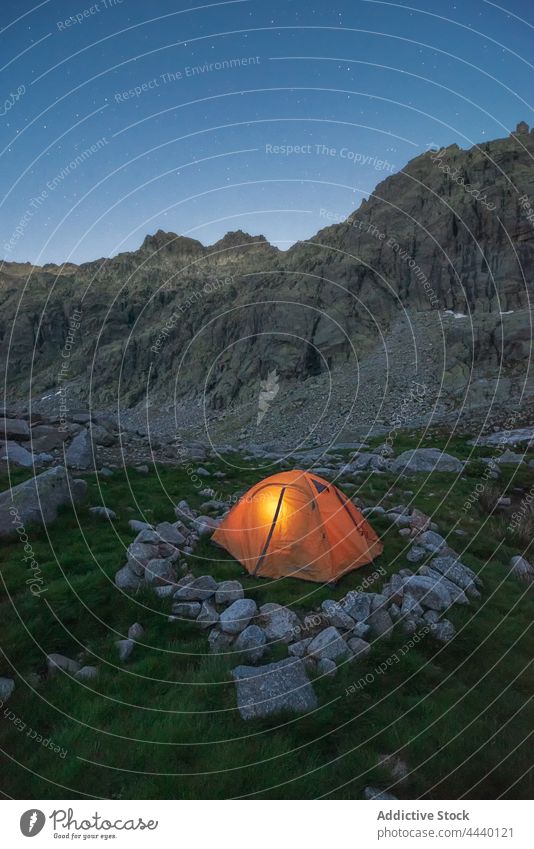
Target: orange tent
[[297, 524]]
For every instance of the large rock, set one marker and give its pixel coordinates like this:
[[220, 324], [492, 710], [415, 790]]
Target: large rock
[[431, 541], [14, 429], [59, 661], [279, 622], [336, 616], [236, 617], [425, 460], [127, 580], [510, 458], [87, 673], [380, 623], [38, 500], [159, 572], [273, 688], [7, 688], [102, 436], [427, 592], [170, 534], [228, 591], [251, 643], [357, 605], [328, 643], [458, 573], [17, 455], [457, 595], [443, 631], [80, 452], [522, 570], [197, 589], [139, 554], [124, 648], [208, 616]]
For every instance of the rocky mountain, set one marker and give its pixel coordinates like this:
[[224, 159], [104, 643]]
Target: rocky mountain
[[427, 285]]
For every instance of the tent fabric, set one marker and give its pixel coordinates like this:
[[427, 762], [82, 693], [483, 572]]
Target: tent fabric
[[297, 524]]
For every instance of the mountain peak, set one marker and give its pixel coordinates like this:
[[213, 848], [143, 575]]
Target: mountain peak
[[240, 241], [171, 243]]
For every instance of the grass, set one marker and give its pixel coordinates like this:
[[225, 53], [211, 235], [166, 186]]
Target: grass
[[164, 725]]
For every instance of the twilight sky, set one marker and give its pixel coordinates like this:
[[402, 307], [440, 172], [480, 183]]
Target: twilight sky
[[121, 117]]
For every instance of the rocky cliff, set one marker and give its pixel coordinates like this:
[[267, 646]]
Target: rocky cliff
[[429, 281]]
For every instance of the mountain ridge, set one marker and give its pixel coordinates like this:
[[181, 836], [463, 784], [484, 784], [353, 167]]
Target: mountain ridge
[[446, 236]]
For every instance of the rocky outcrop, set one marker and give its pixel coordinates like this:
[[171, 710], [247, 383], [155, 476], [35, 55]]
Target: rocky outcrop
[[38, 500]]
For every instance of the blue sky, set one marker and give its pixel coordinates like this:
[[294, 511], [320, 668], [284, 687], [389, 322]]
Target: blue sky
[[136, 116]]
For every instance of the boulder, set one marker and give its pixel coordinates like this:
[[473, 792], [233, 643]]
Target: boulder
[[251, 643], [443, 631], [206, 525], [7, 688], [427, 592], [159, 571], [273, 688], [127, 580], [197, 589], [138, 526], [14, 429], [135, 631], [48, 438], [425, 460], [416, 553], [228, 591], [59, 661], [380, 623], [125, 648], [236, 617], [102, 512], [457, 595], [208, 616], [357, 605], [279, 622], [419, 521], [148, 536], [509, 458], [139, 553], [299, 648], [328, 643], [80, 452], [431, 541], [86, 673], [101, 436], [16, 455], [38, 499], [458, 573], [169, 534], [335, 615], [522, 570]]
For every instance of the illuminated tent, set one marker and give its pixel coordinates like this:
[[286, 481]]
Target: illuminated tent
[[297, 524]]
